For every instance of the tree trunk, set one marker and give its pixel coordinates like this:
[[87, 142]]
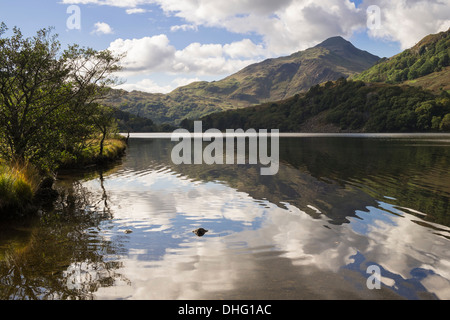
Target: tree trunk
[[102, 142]]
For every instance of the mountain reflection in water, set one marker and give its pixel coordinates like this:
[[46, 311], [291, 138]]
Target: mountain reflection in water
[[337, 206]]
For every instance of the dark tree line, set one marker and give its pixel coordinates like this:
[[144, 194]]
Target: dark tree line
[[350, 105]]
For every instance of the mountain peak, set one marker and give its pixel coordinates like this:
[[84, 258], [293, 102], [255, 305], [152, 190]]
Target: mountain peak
[[334, 43], [342, 47]]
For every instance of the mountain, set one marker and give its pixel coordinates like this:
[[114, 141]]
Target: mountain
[[409, 92], [280, 78], [269, 80]]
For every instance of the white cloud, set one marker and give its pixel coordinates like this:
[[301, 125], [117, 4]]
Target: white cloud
[[156, 54], [183, 27], [136, 10], [284, 26], [146, 85], [149, 85], [287, 26], [113, 3], [148, 54], [409, 21], [178, 82], [244, 49], [102, 28]]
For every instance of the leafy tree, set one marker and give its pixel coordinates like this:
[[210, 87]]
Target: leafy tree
[[445, 123], [105, 122], [48, 96]]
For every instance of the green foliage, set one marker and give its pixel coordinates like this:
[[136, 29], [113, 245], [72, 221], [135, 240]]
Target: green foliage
[[18, 184], [445, 123], [432, 54], [95, 151], [128, 122], [49, 98], [349, 106]]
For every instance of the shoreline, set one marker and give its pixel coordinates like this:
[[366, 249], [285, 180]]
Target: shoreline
[[24, 190], [168, 135]]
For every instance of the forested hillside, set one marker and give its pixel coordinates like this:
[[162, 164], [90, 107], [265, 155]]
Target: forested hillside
[[344, 106], [431, 54]]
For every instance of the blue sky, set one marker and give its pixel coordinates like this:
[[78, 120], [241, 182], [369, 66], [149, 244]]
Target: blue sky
[[171, 43]]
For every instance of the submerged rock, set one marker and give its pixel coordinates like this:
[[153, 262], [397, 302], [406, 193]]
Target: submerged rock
[[46, 194], [200, 232]]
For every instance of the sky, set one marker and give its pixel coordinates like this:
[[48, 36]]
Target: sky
[[170, 43]]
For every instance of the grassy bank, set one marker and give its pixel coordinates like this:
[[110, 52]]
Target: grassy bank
[[113, 148], [23, 187], [18, 185]]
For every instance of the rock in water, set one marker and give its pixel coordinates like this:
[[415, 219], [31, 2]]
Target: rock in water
[[200, 232]]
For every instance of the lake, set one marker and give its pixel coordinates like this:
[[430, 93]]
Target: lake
[[345, 217]]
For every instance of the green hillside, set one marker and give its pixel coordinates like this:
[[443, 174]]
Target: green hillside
[[436, 81], [344, 106], [270, 80], [430, 55]]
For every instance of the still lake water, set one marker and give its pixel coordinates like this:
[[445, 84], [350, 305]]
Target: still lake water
[[338, 205]]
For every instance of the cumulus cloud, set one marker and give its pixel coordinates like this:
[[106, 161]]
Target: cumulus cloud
[[148, 54], [149, 85], [244, 49], [145, 85], [156, 54], [113, 3], [136, 10], [284, 27], [409, 21], [287, 26], [290, 25], [183, 27], [102, 28]]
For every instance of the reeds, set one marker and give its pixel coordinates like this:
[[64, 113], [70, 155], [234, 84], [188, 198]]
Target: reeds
[[114, 147], [18, 184]]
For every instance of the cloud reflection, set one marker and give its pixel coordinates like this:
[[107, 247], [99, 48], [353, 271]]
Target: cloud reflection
[[248, 235]]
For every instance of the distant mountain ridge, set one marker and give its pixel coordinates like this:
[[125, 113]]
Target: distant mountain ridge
[[409, 92], [270, 80]]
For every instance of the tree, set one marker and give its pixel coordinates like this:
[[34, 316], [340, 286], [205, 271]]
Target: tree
[[445, 123], [47, 95], [105, 122]]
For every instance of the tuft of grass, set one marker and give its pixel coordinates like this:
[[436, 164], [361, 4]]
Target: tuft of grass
[[114, 147], [18, 185]]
